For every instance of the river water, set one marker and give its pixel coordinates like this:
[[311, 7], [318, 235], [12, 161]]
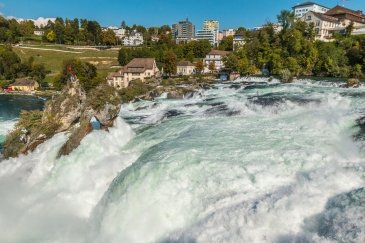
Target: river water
[[236, 163]]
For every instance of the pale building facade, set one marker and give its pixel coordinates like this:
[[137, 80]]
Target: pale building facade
[[138, 68], [25, 85], [185, 68], [134, 39], [216, 57], [301, 9], [324, 25]]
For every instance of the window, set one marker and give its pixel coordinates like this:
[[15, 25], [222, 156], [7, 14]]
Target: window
[[309, 17]]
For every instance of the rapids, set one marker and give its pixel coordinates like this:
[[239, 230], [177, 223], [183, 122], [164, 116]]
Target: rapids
[[240, 162]]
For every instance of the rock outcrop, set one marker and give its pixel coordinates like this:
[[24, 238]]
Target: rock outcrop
[[70, 111]]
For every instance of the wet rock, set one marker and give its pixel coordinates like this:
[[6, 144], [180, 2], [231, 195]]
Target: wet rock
[[353, 83]]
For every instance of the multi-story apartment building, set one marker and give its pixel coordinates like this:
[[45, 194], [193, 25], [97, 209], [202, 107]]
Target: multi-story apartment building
[[209, 32], [209, 35], [324, 25], [183, 31], [303, 8], [333, 20]]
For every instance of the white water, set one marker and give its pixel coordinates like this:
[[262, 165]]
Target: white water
[[231, 165]]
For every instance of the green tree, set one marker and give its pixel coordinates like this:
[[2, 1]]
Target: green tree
[[199, 66], [123, 56], [109, 37], [170, 62], [84, 71], [349, 29], [211, 67], [286, 19], [51, 36]]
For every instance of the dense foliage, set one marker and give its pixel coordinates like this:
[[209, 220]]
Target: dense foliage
[[159, 51], [294, 50], [11, 67], [85, 72]]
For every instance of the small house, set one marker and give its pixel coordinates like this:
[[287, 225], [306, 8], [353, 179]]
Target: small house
[[185, 68], [24, 84]]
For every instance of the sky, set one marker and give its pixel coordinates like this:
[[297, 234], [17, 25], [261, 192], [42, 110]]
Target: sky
[[230, 13]]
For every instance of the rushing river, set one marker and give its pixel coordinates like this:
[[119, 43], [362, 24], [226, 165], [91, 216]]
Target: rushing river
[[236, 163]]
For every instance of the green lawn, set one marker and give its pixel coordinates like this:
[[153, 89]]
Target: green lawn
[[102, 59]]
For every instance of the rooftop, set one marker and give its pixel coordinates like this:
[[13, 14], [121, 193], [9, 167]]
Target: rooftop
[[218, 52], [24, 82], [138, 65], [309, 4], [185, 63], [325, 17]]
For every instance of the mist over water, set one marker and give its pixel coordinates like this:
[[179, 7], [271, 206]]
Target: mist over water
[[236, 163]]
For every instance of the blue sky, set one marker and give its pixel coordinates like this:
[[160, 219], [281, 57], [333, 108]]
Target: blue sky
[[231, 13]]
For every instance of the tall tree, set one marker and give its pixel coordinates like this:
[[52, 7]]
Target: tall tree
[[170, 62], [286, 19]]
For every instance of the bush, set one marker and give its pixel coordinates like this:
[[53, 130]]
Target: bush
[[286, 76], [135, 89]]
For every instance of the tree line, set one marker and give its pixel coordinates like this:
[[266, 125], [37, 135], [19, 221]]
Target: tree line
[[75, 32], [295, 50], [11, 67]]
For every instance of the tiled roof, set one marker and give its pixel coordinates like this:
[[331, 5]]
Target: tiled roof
[[325, 17], [185, 63], [342, 10], [308, 4], [140, 64], [218, 52], [24, 82]]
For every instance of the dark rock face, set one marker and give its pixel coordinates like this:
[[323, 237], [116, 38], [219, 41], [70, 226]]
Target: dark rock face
[[72, 111]]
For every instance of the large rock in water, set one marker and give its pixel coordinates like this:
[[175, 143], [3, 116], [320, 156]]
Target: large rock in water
[[67, 107], [70, 111]]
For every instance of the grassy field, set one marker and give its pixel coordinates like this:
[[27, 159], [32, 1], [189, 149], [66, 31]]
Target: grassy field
[[53, 57]]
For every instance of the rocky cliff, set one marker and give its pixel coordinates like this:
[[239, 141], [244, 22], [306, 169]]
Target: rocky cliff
[[70, 111]]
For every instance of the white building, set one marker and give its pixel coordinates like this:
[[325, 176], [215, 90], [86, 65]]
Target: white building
[[119, 32], [209, 35], [303, 8], [185, 68], [216, 57], [324, 25], [209, 32], [238, 42], [138, 68], [229, 32], [38, 32], [134, 39]]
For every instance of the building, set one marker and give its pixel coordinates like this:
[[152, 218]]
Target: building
[[334, 20], [209, 32], [138, 68], [324, 25], [209, 35], [134, 39], [38, 32], [185, 68], [183, 31], [303, 8], [238, 42], [117, 79], [216, 57], [229, 32], [360, 30], [345, 16], [24, 84], [119, 32]]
